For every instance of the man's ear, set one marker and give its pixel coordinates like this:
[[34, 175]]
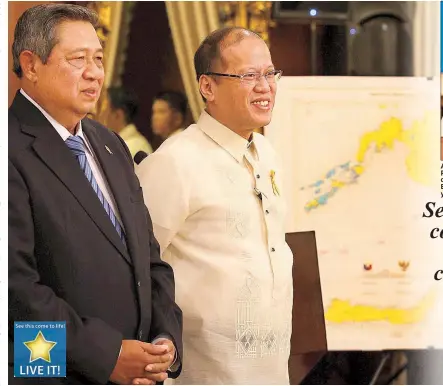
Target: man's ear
[[207, 87], [29, 63]]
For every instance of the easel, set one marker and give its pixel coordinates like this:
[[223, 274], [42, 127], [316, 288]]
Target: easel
[[387, 355], [345, 367], [308, 340]]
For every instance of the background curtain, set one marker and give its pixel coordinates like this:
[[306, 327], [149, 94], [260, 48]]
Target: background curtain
[[111, 47], [110, 15], [190, 22], [426, 38]]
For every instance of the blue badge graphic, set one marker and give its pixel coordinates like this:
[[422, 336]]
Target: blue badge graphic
[[40, 349]]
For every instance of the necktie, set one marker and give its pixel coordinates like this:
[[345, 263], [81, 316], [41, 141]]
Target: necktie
[[77, 146]]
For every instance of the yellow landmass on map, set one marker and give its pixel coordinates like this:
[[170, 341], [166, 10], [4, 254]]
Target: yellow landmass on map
[[388, 132], [341, 311], [423, 152], [420, 138]]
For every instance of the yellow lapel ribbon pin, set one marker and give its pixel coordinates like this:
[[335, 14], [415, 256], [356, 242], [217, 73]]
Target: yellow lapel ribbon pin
[[274, 185]]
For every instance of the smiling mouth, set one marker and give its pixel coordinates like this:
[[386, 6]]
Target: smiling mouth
[[261, 104]]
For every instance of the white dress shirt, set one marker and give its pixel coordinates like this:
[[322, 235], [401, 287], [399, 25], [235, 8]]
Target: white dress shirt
[[135, 140], [92, 159], [219, 223]]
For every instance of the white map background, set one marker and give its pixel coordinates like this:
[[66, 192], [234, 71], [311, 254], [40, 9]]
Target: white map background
[[361, 159]]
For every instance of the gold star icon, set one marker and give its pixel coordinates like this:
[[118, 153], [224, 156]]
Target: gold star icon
[[40, 348]]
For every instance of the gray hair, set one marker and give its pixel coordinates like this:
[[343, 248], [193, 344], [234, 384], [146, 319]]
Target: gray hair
[[36, 29]]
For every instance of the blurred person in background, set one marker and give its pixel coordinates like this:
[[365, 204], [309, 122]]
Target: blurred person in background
[[123, 108], [168, 113], [218, 209]]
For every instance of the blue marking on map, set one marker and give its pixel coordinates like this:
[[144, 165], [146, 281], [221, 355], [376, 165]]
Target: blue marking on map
[[330, 173], [323, 199], [335, 179]]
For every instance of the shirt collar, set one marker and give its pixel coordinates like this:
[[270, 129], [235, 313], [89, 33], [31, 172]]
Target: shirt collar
[[61, 130], [233, 143]]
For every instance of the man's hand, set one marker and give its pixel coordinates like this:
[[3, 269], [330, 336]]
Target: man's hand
[[156, 368], [133, 359], [171, 350]]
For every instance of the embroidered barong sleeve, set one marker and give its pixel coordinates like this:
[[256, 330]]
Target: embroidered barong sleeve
[[166, 194]]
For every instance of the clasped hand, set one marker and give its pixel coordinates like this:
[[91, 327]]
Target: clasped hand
[[142, 363]]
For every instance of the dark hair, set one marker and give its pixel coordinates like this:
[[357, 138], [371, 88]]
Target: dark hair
[[121, 98], [176, 100], [209, 50], [37, 26]]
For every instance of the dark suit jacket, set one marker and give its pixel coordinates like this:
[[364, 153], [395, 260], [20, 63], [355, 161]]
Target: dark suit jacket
[[66, 260]]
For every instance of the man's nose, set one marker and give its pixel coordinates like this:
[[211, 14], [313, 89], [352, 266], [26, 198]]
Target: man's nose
[[263, 85], [93, 71]]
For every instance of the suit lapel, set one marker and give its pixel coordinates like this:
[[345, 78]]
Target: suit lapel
[[50, 148], [114, 174]]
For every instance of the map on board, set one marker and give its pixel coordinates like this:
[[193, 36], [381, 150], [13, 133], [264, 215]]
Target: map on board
[[361, 160]]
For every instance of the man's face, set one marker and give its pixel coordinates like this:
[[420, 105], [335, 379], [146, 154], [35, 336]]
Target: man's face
[[71, 80], [162, 119], [245, 106]]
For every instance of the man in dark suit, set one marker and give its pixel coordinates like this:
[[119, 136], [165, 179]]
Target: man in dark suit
[[81, 247]]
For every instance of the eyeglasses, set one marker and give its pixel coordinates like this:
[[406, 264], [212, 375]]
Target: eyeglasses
[[252, 77], [82, 61]]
